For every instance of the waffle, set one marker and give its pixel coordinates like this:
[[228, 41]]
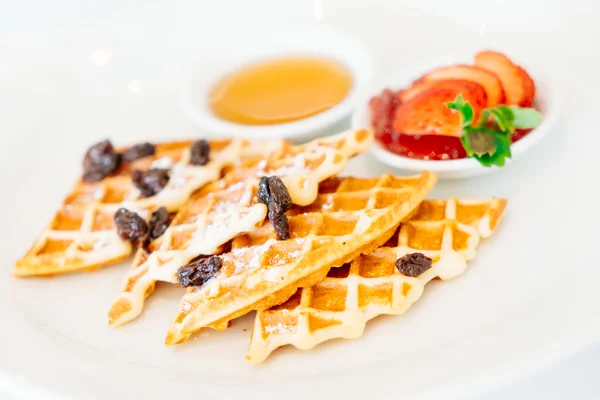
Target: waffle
[[340, 305], [320, 158], [82, 234], [221, 211], [350, 216]]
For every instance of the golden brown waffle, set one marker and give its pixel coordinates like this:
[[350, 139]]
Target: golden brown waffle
[[318, 159], [340, 305], [351, 216], [82, 235], [226, 208]]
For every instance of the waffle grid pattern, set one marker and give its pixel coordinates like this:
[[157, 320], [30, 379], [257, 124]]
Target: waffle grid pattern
[[223, 210], [82, 234], [260, 271], [371, 285]]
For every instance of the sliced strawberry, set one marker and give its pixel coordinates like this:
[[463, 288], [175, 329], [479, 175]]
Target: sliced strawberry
[[515, 81], [421, 86], [417, 87], [529, 86], [427, 113], [490, 82]]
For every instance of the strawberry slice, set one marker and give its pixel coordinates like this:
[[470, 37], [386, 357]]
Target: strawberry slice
[[490, 82], [421, 86], [426, 113], [516, 82], [529, 86]]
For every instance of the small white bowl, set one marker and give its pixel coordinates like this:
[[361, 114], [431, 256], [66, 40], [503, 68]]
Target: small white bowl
[[546, 101], [320, 43]]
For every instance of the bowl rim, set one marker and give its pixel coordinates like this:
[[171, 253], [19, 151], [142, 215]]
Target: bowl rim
[[353, 54], [546, 93]]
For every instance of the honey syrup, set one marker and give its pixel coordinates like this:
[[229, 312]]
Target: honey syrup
[[280, 90]]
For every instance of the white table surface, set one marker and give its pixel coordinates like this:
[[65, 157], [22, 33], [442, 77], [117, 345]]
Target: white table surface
[[574, 377]]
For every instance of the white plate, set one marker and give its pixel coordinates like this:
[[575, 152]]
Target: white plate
[[529, 297], [546, 101], [310, 42]]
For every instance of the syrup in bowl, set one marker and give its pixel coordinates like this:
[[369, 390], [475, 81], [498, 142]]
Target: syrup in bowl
[[280, 90]]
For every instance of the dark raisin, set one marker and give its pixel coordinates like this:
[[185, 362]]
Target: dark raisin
[[263, 190], [273, 193], [159, 222], [100, 161], [150, 182], [198, 272], [199, 152], [130, 226], [279, 193], [138, 151], [280, 224], [413, 264]]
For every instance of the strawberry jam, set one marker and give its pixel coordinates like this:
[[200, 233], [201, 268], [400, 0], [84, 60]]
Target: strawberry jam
[[424, 147], [421, 147], [519, 134]]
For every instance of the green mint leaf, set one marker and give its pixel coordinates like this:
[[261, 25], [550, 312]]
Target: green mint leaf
[[464, 108], [525, 118], [497, 143], [489, 140], [467, 115], [484, 117], [459, 101], [504, 118]]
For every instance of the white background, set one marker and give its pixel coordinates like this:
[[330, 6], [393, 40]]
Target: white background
[[574, 378]]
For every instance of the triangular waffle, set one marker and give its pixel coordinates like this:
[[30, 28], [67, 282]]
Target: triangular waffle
[[82, 235], [447, 231], [351, 216], [224, 209]]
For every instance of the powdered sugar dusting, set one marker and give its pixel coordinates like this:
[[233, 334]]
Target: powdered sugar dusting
[[297, 168], [226, 214], [293, 254], [257, 252], [236, 186], [224, 209], [162, 163], [278, 329], [328, 205]]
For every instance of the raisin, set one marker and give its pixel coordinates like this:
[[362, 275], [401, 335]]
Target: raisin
[[279, 194], [150, 182], [199, 152], [280, 225], [273, 193], [413, 264], [263, 190], [100, 161], [272, 188], [130, 226], [159, 222], [138, 151], [198, 272]]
